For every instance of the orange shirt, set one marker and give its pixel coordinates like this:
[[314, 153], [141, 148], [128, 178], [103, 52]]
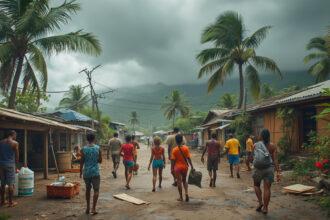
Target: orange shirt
[[180, 162], [158, 152]]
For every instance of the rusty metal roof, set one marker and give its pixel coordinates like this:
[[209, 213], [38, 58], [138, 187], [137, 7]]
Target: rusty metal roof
[[34, 119]]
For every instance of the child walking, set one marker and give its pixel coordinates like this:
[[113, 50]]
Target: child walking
[[157, 159], [127, 152]]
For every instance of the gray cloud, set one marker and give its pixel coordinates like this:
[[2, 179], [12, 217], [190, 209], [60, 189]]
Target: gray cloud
[[147, 41]]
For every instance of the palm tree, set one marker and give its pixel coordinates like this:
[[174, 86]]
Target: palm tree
[[228, 101], [321, 57], [232, 48], [25, 28], [75, 99], [174, 104], [134, 120]]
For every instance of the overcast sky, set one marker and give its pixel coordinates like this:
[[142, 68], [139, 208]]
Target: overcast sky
[[150, 41]]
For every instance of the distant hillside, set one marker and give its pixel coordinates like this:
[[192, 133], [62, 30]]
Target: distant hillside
[[146, 99]]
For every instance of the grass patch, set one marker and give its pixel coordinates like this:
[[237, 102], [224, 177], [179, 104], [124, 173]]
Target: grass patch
[[4, 216]]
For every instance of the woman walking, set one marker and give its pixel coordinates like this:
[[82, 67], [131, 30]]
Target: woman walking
[[89, 168], [127, 152], [157, 159], [265, 161], [180, 161]]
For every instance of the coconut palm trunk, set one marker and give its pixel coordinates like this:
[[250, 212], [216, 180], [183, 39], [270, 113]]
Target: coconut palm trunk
[[12, 97], [241, 86]]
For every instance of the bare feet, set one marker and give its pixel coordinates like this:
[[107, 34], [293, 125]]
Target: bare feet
[[12, 204], [175, 184], [94, 212], [160, 186], [87, 211], [153, 190], [259, 208], [238, 176], [187, 198], [211, 182], [128, 187], [180, 199]]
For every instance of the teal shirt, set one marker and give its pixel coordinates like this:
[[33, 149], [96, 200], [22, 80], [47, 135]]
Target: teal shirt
[[91, 158]]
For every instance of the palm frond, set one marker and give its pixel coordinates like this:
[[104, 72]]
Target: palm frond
[[316, 43], [321, 70], [313, 56], [266, 64], [211, 66], [74, 42], [257, 37], [219, 76], [31, 79], [211, 54], [39, 63], [7, 67], [253, 77]]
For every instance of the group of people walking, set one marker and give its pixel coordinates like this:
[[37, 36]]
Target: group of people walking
[[262, 154]]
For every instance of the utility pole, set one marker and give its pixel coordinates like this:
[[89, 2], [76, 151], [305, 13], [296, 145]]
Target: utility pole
[[94, 96]]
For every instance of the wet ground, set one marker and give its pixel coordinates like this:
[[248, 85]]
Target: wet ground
[[231, 199]]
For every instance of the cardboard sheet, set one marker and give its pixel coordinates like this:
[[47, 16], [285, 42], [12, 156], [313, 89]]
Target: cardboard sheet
[[130, 199]]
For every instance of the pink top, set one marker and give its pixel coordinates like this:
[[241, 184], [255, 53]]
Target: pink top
[[127, 150]]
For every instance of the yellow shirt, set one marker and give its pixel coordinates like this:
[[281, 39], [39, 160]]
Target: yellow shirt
[[232, 145], [249, 145]]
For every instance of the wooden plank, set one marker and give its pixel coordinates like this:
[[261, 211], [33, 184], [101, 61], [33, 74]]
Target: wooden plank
[[130, 199], [299, 188], [45, 155], [25, 147], [12, 125]]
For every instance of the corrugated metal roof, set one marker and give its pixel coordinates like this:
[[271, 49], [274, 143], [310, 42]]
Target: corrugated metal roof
[[309, 92], [32, 118], [71, 115]]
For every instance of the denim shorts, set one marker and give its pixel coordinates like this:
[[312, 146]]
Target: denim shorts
[[7, 175], [128, 163], [158, 164], [233, 159], [94, 182]]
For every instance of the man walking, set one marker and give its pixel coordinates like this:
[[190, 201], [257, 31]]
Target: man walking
[[213, 148], [115, 145], [249, 151], [171, 143], [8, 157], [232, 147], [91, 156]]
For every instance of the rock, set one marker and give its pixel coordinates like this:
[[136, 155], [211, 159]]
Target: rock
[[317, 180]]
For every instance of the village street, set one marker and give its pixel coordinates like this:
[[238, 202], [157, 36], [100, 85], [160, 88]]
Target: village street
[[231, 199]]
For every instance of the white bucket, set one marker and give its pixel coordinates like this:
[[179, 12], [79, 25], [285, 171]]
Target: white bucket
[[25, 182]]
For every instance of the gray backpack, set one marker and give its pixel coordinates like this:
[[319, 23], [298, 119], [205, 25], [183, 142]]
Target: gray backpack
[[261, 158]]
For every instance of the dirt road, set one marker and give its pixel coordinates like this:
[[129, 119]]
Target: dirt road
[[230, 200]]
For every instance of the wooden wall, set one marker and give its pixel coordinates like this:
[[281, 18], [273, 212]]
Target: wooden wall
[[322, 123]]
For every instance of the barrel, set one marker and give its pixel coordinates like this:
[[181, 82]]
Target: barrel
[[63, 160], [25, 182]]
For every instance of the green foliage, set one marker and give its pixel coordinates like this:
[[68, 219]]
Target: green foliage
[[267, 91], [288, 116], [242, 125], [232, 48], [320, 55], [104, 132], [75, 99], [324, 202], [4, 216], [28, 102], [188, 124], [302, 168], [175, 104], [26, 27], [228, 101]]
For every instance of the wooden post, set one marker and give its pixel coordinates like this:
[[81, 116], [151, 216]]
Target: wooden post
[[46, 154], [25, 147], [58, 135]]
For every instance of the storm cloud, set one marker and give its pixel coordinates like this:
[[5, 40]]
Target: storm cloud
[[150, 41]]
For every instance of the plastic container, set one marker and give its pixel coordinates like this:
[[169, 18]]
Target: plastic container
[[25, 182], [63, 192]]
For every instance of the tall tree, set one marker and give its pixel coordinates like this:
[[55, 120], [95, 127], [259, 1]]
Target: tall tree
[[134, 120], [75, 99], [228, 101], [232, 48], [25, 37], [175, 104], [320, 55]]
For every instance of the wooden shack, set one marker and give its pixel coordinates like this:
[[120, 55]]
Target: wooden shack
[[35, 137]]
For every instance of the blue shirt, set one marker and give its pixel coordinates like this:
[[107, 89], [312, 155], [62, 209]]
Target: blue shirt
[[7, 154], [91, 161]]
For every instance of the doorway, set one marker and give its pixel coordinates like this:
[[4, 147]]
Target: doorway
[[308, 122]]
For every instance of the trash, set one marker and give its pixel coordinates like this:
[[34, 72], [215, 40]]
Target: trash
[[313, 193], [195, 178], [130, 199], [249, 189], [298, 189]]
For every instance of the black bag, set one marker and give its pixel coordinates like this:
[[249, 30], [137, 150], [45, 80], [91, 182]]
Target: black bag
[[195, 177]]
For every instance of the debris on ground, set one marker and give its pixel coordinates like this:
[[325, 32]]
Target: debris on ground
[[298, 189], [130, 199]]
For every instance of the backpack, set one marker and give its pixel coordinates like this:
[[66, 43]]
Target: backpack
[[261, 158]]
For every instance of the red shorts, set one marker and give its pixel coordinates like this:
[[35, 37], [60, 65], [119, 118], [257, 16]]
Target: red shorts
[[181, 171]]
